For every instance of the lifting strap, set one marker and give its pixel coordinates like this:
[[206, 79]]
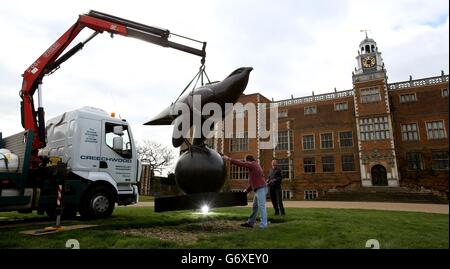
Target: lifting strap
[[199, 76]]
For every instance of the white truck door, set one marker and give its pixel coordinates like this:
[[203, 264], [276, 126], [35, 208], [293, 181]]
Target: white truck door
[[89, 144], [118, 163]]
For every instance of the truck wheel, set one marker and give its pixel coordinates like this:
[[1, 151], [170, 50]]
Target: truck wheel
[[98, 202]]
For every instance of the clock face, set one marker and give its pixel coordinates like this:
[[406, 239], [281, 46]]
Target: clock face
[[368, 61]]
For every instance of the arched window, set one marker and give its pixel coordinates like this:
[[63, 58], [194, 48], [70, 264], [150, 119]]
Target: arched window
[[373, 48], [367, 48]]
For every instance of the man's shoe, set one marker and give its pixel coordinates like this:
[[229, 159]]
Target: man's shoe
[[248, 225]]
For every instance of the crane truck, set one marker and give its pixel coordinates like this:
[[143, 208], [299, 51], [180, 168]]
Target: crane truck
[[89, 155]]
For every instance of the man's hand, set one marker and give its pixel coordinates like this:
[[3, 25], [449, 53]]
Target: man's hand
[[225, 157]]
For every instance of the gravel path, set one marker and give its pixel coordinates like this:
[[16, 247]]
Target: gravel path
[[428, 208]]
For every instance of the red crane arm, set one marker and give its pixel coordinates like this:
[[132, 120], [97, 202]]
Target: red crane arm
[[48, 62], [32, 77]]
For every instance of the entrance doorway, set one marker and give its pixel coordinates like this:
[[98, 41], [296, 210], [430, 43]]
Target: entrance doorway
[[379, 176]]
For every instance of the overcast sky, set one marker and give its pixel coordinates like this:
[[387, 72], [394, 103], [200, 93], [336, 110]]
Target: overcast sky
[[294, 46]]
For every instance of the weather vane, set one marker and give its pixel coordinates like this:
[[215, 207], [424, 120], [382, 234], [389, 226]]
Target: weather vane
[[365, 30]]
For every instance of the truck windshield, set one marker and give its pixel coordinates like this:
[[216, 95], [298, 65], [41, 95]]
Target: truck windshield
[[125, 150]]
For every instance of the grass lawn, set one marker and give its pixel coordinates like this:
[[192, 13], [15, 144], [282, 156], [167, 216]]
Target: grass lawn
[[134, 227], [145, 198]]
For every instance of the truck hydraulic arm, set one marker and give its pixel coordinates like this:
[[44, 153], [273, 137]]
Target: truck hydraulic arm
[[51, 59]]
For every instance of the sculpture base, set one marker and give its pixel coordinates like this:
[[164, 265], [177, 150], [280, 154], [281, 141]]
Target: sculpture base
[[196, 201]]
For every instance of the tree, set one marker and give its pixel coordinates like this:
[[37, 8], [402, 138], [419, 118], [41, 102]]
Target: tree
[[156, 155]]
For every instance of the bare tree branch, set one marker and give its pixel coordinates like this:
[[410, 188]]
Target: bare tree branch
[[156, 155]]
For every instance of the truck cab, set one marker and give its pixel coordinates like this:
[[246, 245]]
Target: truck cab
[[89, 153], [100, 150]]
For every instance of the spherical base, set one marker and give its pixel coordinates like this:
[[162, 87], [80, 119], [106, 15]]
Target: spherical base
[[200, 170]]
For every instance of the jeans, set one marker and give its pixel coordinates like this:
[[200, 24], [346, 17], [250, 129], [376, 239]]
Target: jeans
[[259, 202], [277, 199]]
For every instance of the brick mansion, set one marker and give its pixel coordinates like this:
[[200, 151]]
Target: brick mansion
[[380, 133]]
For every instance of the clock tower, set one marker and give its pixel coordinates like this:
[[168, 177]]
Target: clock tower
[[373, 118], [369, 58]]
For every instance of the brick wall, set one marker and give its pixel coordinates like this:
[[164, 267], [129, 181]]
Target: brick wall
[[430, 105]]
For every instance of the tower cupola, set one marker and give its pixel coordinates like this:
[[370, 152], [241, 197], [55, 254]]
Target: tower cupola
[[369, 58]]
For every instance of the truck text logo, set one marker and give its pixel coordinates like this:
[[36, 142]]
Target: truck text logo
[[98, 158]]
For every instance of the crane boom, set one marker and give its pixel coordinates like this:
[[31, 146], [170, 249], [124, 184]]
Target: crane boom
[[51, 59]]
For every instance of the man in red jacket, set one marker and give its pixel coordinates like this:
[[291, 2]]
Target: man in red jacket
[[257, 184]]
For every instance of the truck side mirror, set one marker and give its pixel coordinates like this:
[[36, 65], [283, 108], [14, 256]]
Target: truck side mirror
[[118, 130], [118, 143]]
